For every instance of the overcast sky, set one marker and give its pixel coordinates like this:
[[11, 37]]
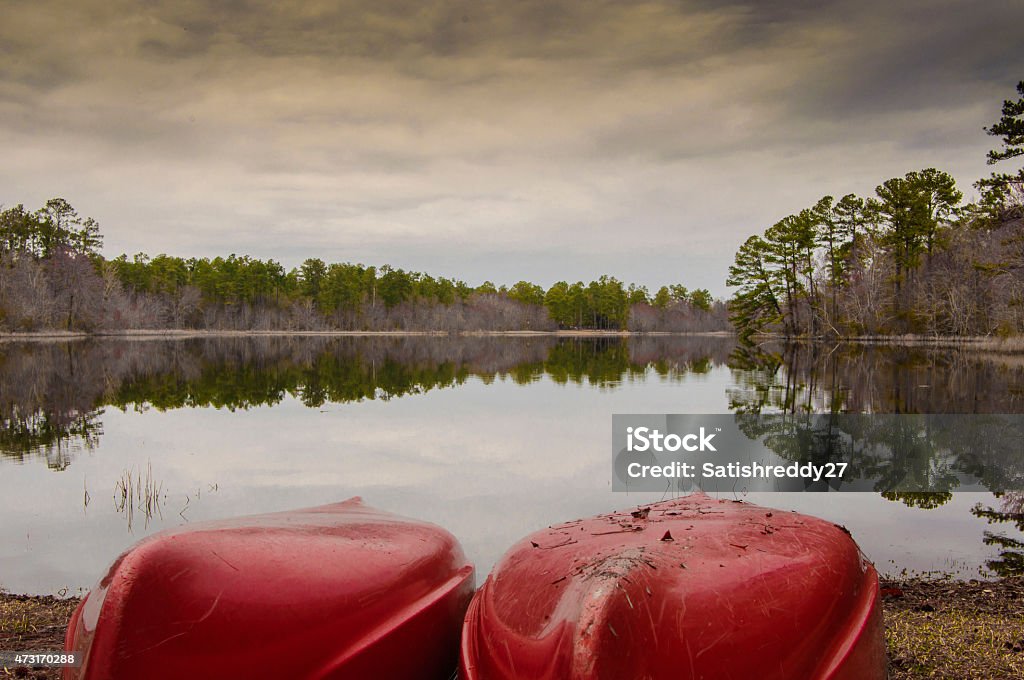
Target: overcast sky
[[500, 140]]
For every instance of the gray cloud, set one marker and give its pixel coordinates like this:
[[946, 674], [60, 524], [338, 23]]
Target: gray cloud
[[481, 139]]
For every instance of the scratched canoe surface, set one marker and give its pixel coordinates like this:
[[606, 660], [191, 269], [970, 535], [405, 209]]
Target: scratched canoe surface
[[106, 441]]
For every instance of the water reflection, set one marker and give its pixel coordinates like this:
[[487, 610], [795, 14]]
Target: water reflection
[[1010, 513], [799, 379], [54, 394], [491, 437], [814, 378], [916, 458]]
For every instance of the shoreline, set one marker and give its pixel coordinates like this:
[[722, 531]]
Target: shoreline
[[175, 334], [1013, 344], [1010, 344], [934, 628]]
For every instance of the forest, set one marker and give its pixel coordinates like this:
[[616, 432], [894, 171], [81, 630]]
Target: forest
[[913, 258], [53, 277]]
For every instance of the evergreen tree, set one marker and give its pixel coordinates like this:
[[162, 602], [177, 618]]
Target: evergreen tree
[[1004, 190]]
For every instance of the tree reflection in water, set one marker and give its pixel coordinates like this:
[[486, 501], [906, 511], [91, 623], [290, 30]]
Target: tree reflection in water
[[796, 380], [53, 394], [1010, 561]]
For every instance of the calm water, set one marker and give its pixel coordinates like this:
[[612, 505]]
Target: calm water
[[105, 441]]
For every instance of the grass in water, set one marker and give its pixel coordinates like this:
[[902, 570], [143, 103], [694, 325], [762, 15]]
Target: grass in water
[[134, 492]]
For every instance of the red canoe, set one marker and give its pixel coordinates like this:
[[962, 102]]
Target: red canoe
[[339, 591], [690, 588]]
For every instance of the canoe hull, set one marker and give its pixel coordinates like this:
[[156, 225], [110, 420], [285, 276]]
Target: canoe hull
[[691, 588], [338, 591]]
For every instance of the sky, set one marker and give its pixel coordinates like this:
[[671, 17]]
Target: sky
[[524, 139]]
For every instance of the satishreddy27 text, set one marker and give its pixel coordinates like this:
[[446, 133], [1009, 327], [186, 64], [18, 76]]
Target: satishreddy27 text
[[740, 471], [791, 471]]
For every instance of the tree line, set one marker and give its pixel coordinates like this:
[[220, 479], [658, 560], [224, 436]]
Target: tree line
[[913, 258], [52, 276]]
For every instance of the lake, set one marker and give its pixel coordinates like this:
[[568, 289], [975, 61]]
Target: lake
[[104, 441]]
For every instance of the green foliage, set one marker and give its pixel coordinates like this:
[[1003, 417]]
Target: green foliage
[[312, 274], [899, 208], [780, 279], [939, 198], [559, 304], [662, 298], [679, 293], [170, 287], [394, 286], [56, 226], [850, 219], [607, 302], [1010, 128], [756, 305], [638, 295], [1002, 191], [903, 261], [342, 288], [352, 289], [527, 293], [701, 299]]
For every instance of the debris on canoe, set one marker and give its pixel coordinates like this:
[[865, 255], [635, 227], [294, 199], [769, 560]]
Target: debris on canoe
[[687, 588]]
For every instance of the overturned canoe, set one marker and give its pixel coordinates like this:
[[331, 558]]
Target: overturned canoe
[[338, 591], [689, 588]]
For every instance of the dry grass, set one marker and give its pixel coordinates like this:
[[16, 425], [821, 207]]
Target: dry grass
[[33, 624], [955, 631]]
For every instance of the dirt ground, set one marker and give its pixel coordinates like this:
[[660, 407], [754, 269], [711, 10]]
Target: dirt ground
[[943, 629], [955, 630], [33, 624]]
